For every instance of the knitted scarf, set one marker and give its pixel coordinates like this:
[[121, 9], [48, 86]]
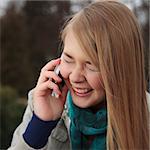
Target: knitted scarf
[[87, 129]]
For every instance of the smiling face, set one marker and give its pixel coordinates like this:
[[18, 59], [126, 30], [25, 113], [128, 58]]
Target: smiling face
[[82, 77]]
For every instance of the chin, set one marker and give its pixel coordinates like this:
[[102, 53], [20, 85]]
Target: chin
[[84, 101]]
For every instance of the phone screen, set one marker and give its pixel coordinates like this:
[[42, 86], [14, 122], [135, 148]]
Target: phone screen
[[60, 85]]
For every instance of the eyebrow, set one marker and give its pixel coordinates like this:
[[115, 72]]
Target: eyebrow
[[67, 55]]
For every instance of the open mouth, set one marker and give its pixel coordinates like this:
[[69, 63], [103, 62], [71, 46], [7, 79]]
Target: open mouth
[[82, 92]]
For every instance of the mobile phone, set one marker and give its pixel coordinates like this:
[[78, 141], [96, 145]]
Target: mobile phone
[[60, 85]]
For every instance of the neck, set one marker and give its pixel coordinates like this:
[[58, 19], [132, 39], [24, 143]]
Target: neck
[[97, 107]]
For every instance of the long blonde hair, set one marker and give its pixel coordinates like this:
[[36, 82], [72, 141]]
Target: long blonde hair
[[109, 33]]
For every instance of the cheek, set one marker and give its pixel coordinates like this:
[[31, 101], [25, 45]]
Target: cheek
[[64, 70], [95, 81]]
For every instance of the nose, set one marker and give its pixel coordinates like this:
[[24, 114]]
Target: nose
[[77, 75]]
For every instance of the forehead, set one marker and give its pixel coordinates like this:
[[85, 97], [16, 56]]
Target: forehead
[[73, 48]]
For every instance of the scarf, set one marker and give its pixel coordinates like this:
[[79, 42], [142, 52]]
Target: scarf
[[87, 125]]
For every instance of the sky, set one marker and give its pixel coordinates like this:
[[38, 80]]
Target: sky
[[3, 4]]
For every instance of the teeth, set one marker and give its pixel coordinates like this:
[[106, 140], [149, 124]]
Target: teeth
[[82, 91]]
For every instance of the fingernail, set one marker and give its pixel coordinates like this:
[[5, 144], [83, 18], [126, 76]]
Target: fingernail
[[56, 95]]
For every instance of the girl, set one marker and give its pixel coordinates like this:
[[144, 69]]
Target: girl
[[103, 102]]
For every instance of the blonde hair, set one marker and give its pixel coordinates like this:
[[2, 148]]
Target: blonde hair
[[109, 33]]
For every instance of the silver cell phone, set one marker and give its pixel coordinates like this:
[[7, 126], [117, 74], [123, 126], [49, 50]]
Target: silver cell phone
[[60, 85]]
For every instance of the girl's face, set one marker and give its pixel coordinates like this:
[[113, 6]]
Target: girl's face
[[81, 76]]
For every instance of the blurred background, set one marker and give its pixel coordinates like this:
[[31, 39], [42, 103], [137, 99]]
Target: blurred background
[[29, 38]]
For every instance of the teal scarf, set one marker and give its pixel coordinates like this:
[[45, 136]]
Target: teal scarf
[[84, 124]]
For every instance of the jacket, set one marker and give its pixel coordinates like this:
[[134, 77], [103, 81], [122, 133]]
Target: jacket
[[59, 138]]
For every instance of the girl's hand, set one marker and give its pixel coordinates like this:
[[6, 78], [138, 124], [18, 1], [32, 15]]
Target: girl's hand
[[47, 107]]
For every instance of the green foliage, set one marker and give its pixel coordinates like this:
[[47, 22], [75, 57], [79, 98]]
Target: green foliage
[[11, 111], [29, 39]]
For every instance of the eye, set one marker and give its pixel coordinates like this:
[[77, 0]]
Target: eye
[[67, 58], [67, 61], [91, 67]]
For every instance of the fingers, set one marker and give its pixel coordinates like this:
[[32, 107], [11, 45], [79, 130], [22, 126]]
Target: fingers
[[48, 75], [48, 85], [51, 65], [48, 79], [47, 72]]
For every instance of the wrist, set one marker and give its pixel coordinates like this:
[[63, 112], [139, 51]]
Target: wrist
[[38, 131]]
